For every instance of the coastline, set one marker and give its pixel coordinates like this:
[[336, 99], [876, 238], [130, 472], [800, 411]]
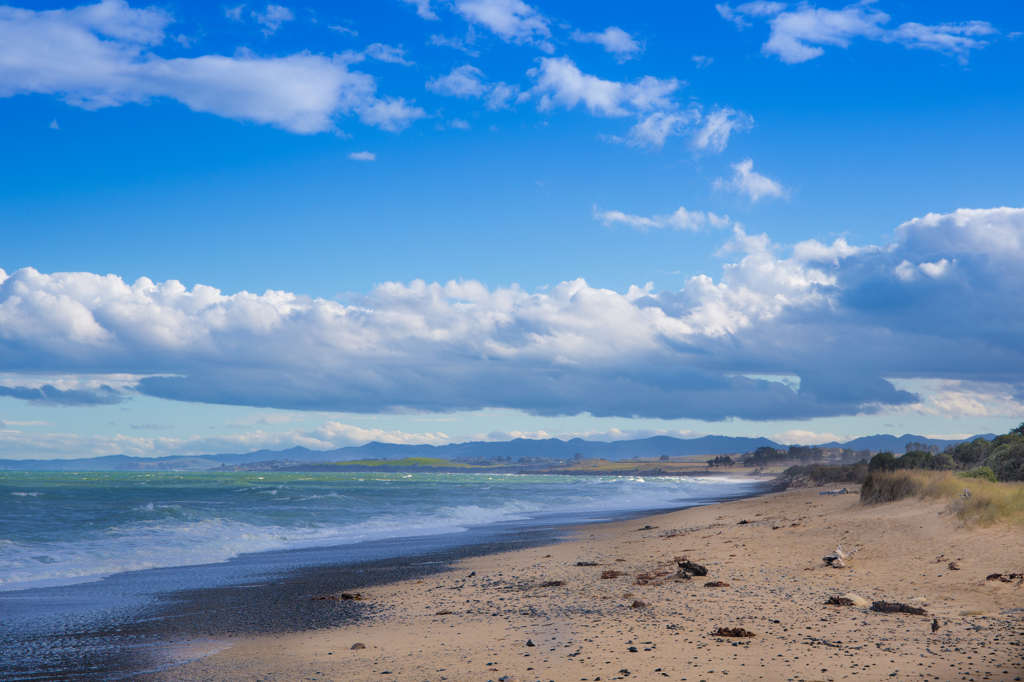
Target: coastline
[[155, 618], [471, 620]]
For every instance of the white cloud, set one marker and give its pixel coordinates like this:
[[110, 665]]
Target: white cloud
[[467, 82], [680, 220], [511, 20], [614, 40], [747, 181], [387, 53], [97, 56], [344, 30], [439, 40], [464, 82], [459, 124], [561, 83], [718, 126], [234, 13], [53, 125], [701, 61], [955, 399], [801, 437], [654, 129], [908, 272], [273, 17], [798, 35], [423, 9], [700, 352], [363, 156]]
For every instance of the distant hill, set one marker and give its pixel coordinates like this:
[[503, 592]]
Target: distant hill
[[551, 448]]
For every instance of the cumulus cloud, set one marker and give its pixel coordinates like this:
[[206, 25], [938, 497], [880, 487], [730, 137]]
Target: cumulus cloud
[[718, 126], [701, 61], [745, 180], [835, 315], [101, 55], [614, 40], [467, 82], [273, 17], [439, 40], [423, 9], [363, 156], [387, 53], [559, 82], [680, 220], [798, 35], [511, 20]]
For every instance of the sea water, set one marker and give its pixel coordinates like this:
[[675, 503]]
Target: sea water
[[58, 528]]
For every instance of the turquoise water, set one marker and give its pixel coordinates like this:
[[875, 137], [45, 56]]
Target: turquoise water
[[61, 527]]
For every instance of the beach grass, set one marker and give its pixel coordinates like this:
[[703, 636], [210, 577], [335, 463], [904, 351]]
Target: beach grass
[[988, 502]]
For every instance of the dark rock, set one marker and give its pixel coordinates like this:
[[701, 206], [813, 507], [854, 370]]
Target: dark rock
[[954, 566], [347, 596], [716, 583], [529, 642], [633, 650], [839, 601], [743, 522], [587, 563], [552, 583], [732, 632], [358, 645], [896, 607], [640, 603]]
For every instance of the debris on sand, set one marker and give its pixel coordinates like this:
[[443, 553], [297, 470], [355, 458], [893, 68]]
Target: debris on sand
[[896, 607], [935, 625], [689, 569], [732, 632], [640, 603], [954, 566], [351, 596], [331, 597], [552, 583], [839, 601], [443, 612], [358, 645], [856, 599], [529, 642], [609, 574], [743, 522], [838, 558], [716, 583], [587, 563], [1006, 578]]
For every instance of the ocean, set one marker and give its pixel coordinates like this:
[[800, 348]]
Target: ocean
[[87, 556]]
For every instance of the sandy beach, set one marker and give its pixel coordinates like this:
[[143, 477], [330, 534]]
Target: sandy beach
[[477, 621]]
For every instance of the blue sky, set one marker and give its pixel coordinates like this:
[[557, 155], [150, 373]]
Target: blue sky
[[824, 198]]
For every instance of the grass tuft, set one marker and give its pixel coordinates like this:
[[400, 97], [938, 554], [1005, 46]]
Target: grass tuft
[[988, 502]]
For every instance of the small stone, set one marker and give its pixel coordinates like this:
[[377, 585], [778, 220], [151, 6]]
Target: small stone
[[640, 603], [633, 650], [358, 645], [529, 642]]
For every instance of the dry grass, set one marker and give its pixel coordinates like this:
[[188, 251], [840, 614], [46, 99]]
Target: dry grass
[[987, 503]]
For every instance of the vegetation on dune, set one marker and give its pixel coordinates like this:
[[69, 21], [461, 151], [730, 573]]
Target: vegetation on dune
[[986, 502]]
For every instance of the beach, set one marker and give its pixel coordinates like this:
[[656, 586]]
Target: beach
[[476, 619]]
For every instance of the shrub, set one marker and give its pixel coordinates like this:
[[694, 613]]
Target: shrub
[[1007, 461], [980, 472], [883, 461]]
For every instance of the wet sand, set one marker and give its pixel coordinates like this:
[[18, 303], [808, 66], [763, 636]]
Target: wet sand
[[472, 621]]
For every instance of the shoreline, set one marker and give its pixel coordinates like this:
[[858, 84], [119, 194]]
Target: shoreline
[[472, 621], [180, 612]]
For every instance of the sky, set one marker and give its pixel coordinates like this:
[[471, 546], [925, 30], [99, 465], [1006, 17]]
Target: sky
[[228, 227]]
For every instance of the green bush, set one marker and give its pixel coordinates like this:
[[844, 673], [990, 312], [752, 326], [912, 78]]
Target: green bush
[[983, 473], [883, 461], [1007, 461]]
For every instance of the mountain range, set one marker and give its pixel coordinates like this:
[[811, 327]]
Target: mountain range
[[550, 448]]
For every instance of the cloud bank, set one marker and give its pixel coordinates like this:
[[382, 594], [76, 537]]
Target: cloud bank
[[840, 317], [101, 55], [798, 35]]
